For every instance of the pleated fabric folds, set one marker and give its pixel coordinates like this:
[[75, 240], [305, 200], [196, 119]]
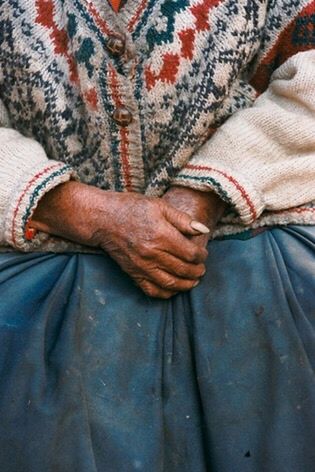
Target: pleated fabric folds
[[97, 377]]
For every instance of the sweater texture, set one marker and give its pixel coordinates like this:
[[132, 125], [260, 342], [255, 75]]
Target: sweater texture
[[185, 68]]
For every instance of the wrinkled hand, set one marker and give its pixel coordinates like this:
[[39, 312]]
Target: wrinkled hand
[[205, 207], [146, 236]]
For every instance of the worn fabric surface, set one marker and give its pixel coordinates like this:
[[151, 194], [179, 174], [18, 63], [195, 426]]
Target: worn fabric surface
[[95, 376]]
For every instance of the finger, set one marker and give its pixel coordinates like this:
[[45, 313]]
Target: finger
[[154, 291], [183, 222], [183, 248], [168, 281], [178, 267], [201, 240], [199, 227]]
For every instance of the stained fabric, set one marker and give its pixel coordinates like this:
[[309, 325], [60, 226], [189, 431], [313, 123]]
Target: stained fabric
[[96, 376]]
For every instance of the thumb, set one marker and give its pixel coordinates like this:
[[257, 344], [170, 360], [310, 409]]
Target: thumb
[[183, 222]]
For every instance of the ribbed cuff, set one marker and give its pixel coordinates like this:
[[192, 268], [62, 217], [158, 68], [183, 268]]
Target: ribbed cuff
[[38, 181], [230, 186]]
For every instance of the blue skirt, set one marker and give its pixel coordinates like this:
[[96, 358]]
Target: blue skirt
[[96, 376]]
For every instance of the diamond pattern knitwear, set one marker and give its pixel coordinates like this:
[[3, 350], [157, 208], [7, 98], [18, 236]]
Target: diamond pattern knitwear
[[216, 95]]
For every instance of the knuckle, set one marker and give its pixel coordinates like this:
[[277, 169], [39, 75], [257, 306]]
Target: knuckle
[[158, 207], [193, 271], [193, 254], [178, 285], [148, 289], [156, 292], [151, 290], [167, 295], [168, 283], [148, 249], [199, 254], [187, 272], [143, 249], [182, 270]]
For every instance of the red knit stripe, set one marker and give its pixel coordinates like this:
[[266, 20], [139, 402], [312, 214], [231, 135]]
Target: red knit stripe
[[172, 60], [124, 148], [231, 179], [137, 15], [92, 98], [29, 185], [59, 37], [98, 20], [124, 132]]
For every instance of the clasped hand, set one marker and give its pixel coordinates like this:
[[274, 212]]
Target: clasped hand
[[149, 238]]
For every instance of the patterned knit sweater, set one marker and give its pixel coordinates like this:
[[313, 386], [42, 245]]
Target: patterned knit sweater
[[132, 102]]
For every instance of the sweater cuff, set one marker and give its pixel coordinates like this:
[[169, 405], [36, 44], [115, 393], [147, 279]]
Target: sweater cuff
[[229, 185], [37, 181]]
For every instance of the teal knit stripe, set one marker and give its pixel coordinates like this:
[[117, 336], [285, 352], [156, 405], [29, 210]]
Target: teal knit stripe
[[40, 187], [210, 180]]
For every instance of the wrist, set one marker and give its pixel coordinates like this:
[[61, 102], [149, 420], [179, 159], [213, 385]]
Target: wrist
[[70, 211], [207, 207]]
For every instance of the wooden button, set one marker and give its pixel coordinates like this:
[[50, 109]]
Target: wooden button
[[116, 45], [122, 116]]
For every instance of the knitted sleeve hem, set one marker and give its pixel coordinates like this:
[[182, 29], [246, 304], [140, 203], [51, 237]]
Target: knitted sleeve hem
[[229, 185], [42, 178], [26, 175], [262, 158]]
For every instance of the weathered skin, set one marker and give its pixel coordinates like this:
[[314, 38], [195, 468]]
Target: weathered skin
[[205, 207], [150, 238]]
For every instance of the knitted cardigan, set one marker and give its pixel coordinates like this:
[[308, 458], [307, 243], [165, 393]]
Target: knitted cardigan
[[186, 67]]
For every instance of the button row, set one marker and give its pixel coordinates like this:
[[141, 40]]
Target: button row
[[116, 45]]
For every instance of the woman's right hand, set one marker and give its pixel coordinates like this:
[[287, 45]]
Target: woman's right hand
[[146, 236]]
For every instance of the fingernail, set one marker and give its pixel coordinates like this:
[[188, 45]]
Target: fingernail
[[201, 228], [196, 283]]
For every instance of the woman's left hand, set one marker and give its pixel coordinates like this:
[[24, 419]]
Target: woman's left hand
[[205, 207]]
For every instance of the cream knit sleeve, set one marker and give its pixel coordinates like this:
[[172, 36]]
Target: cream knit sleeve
[[26, 174], [263, 158]]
